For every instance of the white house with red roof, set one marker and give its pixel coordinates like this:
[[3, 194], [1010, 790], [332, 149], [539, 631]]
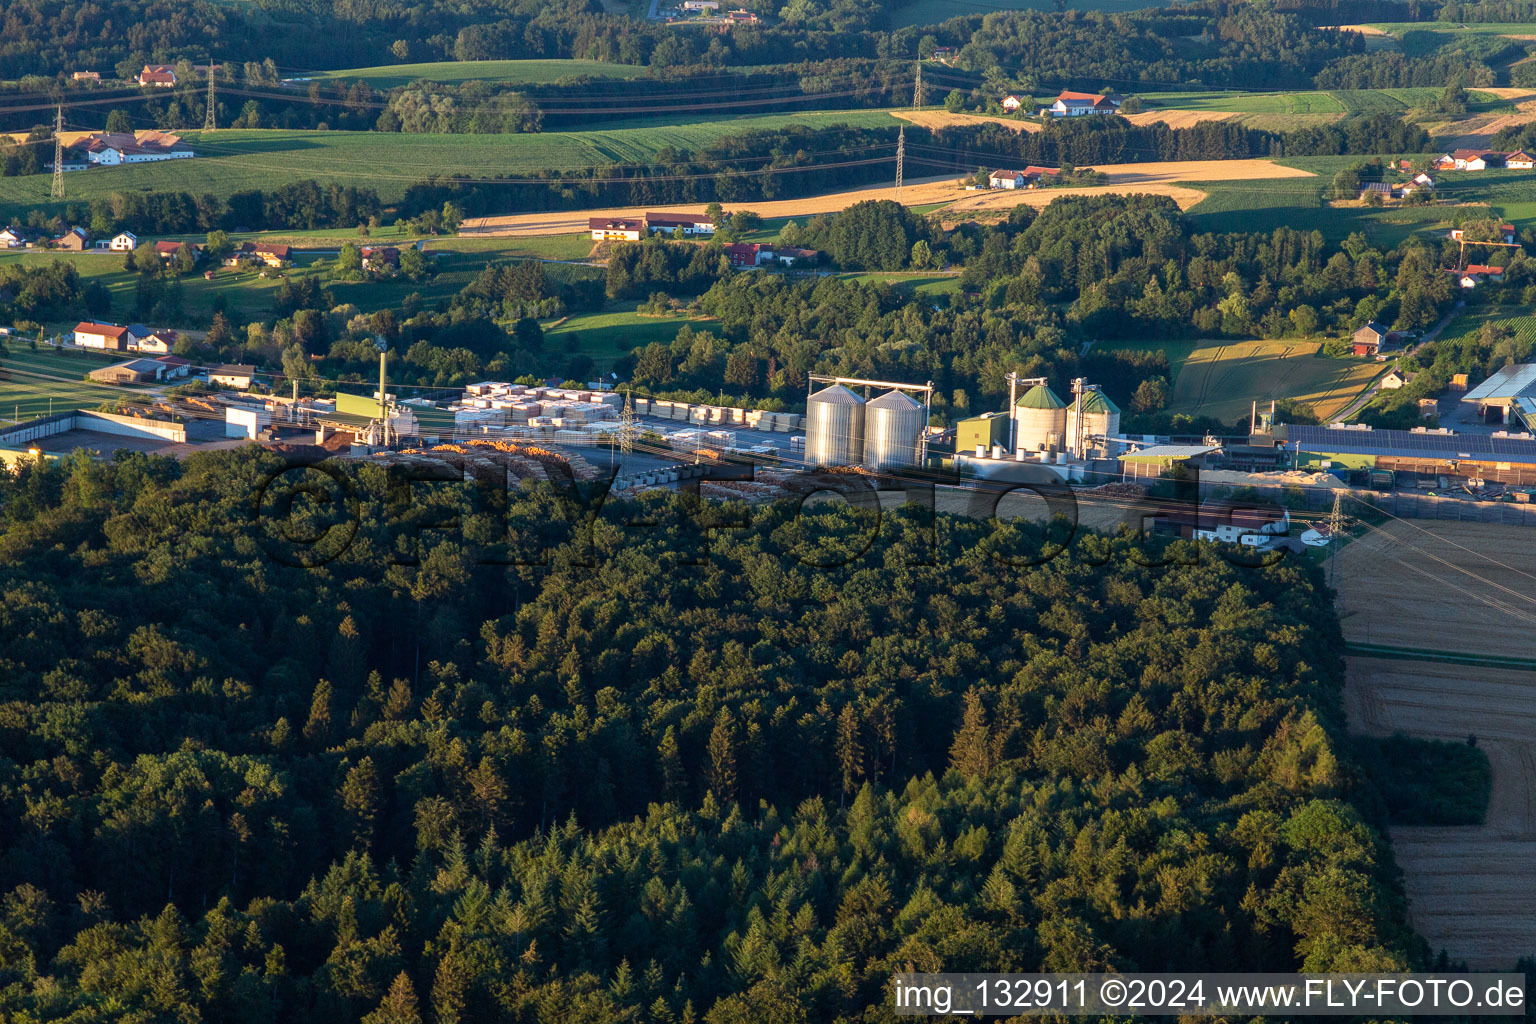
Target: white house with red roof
[[1076, 104]]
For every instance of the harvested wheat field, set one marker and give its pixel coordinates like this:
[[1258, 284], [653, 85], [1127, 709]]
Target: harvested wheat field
[[944, 119], [1124, 179], [1465, 588], [1179, 118]]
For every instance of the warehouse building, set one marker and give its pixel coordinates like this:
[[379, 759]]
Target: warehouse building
[[1509, 396], [1422, 452]]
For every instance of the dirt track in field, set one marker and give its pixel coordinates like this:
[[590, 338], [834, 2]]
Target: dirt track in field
[[1468, 588], [1155, 178]]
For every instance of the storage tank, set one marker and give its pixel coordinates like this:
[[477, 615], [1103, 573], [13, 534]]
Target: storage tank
[[834, 428], [1099, 416], [892, 424], [1041, 419]]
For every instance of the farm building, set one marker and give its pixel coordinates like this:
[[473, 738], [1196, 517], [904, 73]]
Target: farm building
[[748, 254], [107, 337], [75, 240], [1507, 395], [1477, 273], [691, 223], [1006, 179], [135, 371], [12, 238], [377, 257], [1076, 104], [615, 229], [789, 255], [85, 76], [110, 149], [175, 366], [1155, 460], [1379, 188], [1262, 527], [233, 375], [161, 76], [152, 342], [1012, 103], [1520, 160], [1371, 339], [170, 250], [1474, 159], [1397, 379]]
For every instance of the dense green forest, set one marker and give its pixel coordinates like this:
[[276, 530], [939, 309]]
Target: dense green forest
[[678, 772]]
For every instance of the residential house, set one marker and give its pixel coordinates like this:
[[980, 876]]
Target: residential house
[[1476, 273], [1475, 159], [1444, 162], [1259, 526], [1371, 339], [233, 375], [1076, 104], [270, 253], [75, 240], [86, 76], [612, 229], [123, 241], [155, 343], [742, 17], [106, 337], [135, 371], [790, 256], [1397, 379], [1012, 104], [378, 257], [12, 238], [748, 254], [168, 251], [691, 223], [1006, 179], [162, 76], [1520, 160], [1423, 181], [112, 149], [175, 366]]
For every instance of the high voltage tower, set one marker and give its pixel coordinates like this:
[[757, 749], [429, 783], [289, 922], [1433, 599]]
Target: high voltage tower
[[58, 154], [628, 428], [209, 121], [901, 152], [917, 91]]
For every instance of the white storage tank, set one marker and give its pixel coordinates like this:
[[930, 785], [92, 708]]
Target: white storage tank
[[892, 424], [834, 431]]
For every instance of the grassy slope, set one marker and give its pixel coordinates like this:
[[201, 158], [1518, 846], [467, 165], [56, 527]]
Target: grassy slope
[[33, 378], [535, 72], [232, 160], [609, 334]]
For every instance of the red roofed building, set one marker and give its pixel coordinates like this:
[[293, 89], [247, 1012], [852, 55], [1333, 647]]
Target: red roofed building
[[615, 229], [377, 257], [1075, 104], [160, 75], [107, 337], [748, 254]]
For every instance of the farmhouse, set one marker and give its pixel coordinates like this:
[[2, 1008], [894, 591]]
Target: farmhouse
[[123, 241], [75, 240], [1397, 379], [1506, 231], [12, 238], [152, 342], [748, 254], [108, 337], [1006, 179], [1371, 339], [615, 229], [1012, 103], [1475, 159], [377, 257], [789, 255], [170, 250], [742, 17], [1076, 104], [1509, 393], [159, 75], [111, 149], [1423, 181], [270, 253], [691, 223], [135, 371], [1520, 160], [233, 375]]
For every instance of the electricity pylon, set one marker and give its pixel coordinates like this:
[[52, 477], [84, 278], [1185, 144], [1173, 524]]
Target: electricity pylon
[[210, 122], [58, 154]]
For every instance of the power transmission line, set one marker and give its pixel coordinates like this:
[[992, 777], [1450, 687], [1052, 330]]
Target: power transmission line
[[917, 89], [901, 152]]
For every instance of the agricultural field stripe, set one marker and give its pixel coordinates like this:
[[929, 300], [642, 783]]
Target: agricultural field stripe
[[1449, 657]]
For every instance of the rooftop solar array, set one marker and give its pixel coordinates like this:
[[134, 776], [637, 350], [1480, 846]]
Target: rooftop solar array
[[1510, 382], [1411, 444]]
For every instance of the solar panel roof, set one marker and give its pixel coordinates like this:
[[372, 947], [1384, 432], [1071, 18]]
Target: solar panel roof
[[1410, 444], [1510, 382]]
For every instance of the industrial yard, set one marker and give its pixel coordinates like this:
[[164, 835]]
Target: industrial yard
[[1461, 589]]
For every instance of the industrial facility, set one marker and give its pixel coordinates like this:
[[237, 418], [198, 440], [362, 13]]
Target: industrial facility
[[1073, 438], [844, 428]]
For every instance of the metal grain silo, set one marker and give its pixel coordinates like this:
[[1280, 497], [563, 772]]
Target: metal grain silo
[[834, 428], [1094, 415], [1041, 420], [892, 424]]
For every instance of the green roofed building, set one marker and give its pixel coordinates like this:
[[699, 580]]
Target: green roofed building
[[988, 429], [1040, 397]]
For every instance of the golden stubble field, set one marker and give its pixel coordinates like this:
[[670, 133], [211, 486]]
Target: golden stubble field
[[1468, 588], [1159, 178]]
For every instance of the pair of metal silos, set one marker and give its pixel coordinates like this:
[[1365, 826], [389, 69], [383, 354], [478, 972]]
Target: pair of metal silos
[[842, 429]]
